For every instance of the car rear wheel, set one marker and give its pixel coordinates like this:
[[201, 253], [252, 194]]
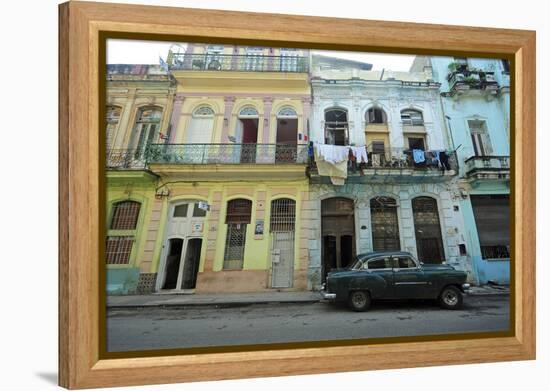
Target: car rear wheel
[[359, 301], [450, 298]]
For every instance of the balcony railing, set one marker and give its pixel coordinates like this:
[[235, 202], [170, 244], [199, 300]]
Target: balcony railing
[[461, 80], [124, 159], [399, 164], [488, 167], [243, 63], [227, 154]]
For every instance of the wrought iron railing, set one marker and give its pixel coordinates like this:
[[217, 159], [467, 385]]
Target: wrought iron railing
[[478, 80], [243, 63], [403, 158], [487, 163], [227, 154], [126, 159]]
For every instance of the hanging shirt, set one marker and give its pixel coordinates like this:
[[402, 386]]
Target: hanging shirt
[[360, 154], [418, 156]]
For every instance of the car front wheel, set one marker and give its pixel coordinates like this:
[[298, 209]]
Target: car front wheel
[[450, 298], [359, 301]]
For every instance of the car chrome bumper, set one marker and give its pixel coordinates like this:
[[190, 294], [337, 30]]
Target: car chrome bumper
[[465, 287], [327, 296]]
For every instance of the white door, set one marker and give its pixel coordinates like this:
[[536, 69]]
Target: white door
[[185, 225], [199, 132]]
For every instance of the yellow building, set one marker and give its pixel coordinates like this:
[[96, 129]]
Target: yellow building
[[205, 189]]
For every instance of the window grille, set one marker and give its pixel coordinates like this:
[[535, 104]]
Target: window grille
[[237, 218], [238, 211], [385, 226], [125, 215], [118, 249], [283, 214]]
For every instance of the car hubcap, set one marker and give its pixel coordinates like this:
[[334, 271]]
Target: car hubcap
[[450, 298], [358, 300]]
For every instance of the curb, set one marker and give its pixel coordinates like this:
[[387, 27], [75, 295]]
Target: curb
[[229, 304]]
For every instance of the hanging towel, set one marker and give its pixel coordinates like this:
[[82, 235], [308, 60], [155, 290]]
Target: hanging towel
[[333, 153], [418, 156], [360, 154], [338, 171]]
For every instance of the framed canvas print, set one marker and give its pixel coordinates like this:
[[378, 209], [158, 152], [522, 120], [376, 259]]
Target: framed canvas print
[[246, 195]]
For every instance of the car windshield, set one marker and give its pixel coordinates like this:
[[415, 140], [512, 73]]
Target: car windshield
[[356, 264]]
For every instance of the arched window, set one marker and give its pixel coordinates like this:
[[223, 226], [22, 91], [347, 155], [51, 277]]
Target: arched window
[[199, 131], [147, 127], [336, 126], [125, 215], [384, 224], [429, 244], [237, 218], [287, 112], [203, 111], [119, 244], [412, 117], [248, 112], [376, 115], [113, 117]]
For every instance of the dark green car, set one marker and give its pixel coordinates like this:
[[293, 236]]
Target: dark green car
[[394, 275]]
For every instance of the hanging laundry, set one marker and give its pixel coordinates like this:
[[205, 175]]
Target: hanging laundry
[[332, 153], [444, 159], [332, 161], [418, 156], [360, 154]]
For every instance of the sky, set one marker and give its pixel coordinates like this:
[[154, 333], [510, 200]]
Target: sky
[[147, 52]]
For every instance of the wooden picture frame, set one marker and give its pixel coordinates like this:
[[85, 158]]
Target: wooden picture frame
[[83, 25]]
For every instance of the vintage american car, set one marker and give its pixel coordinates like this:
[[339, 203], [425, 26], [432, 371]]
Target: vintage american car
[[394, 275]]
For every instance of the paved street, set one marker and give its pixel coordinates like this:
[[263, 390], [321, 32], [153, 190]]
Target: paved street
[[161, 328]]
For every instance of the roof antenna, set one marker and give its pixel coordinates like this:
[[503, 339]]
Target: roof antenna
[[382, 74]]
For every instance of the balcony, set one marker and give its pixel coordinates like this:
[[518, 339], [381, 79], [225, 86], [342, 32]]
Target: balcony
[[125, 159], [227, 154], [463, 79], [222, 162], [395, 165], [240, 63], [487, 168]]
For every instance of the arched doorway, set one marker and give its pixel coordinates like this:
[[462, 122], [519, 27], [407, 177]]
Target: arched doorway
[[282, 226], [287, 135], [429, 244], [199, 133], [336, 127], [338, 233], [384, 224], [184, 243], [247, 134]]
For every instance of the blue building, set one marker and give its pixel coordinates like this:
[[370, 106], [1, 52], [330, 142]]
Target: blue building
[[475, 99]]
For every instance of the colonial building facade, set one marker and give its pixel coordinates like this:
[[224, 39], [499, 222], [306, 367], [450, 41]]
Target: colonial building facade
[[227, 174], [215, 184], [393, 203], [475, 94]]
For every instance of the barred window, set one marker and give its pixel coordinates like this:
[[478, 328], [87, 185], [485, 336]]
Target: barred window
[[283, 213], [237, 218], [238, 211], [118, 249], [125, 215]]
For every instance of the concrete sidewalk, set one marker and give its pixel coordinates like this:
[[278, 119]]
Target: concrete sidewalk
[[211, 299], [240, 299]]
